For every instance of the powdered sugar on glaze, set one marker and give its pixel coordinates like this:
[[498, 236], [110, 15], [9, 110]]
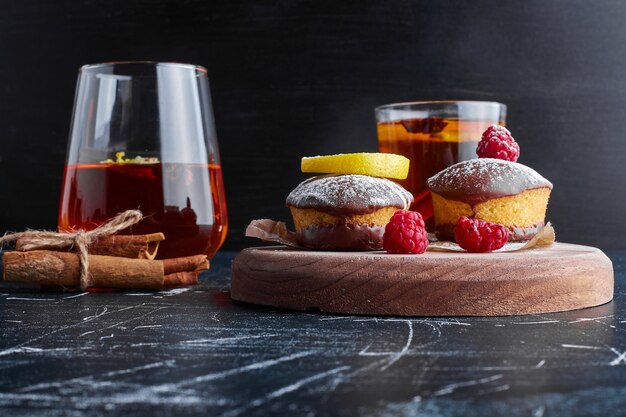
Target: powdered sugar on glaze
[[349, 194], [485, 178]]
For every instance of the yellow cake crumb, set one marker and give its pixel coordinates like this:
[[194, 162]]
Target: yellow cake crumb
[[522, 210], [304, 217]]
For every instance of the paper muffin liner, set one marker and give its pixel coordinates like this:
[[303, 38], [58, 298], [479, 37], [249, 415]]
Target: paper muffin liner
[[276, 231]]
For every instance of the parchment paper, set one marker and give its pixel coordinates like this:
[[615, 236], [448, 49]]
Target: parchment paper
[[275, 231]]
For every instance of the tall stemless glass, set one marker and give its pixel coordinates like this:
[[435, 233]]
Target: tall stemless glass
[[143, 137], [433, 135]]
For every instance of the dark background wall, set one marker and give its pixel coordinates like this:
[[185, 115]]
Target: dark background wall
[[297, 78]]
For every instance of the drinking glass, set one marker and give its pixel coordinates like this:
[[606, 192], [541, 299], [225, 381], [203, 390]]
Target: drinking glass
[[143, 137], [433, 135]]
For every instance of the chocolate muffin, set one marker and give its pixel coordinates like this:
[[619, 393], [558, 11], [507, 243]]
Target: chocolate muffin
[[493, 190], [345, 212]]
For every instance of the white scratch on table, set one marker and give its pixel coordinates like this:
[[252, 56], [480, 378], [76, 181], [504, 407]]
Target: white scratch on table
[[565, 345], [25, 349], [449, 389], [132, 319], [538, 412], [394, 356], [13, 321], [404, 349], [31, 299], [621, 357], [538, 322], [496, 368], [455, 322], [86, 333], [591, 319], [99, 401], [152, 326], [8, 396], [225, 339], [499, 388], [90, 378], [429, 322], [334, 383], [540, 364], [28, 349], [252, 367], [76, 296], [98, 314], [174, 291], [335, 318], [282, 391], [60, 329], [107, 337], [149, 394]]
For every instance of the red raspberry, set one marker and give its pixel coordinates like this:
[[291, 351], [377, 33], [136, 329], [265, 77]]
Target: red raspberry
[[405, 233], [498, 143], [475, 235]]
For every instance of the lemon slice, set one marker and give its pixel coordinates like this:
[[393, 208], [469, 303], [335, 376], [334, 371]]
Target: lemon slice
[[386, 165]]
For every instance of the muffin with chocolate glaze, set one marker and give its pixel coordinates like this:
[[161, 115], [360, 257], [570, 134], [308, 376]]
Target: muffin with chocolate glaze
[[493, 190], [345, 212]]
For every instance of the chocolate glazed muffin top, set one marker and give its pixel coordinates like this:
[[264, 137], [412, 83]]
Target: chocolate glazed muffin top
[[482, 179], [348, 194]]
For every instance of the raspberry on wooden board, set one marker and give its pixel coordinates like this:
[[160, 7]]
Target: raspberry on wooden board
[[476, 235], [405, 233]]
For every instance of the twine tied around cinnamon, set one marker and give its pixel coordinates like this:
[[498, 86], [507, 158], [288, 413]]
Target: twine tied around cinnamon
[[81, 239]]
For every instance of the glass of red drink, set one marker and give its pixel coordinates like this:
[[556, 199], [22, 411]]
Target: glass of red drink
[[143, 137], [433, 135]]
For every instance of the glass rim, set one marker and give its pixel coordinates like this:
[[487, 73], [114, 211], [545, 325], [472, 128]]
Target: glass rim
[[438, 102], [146, 63]]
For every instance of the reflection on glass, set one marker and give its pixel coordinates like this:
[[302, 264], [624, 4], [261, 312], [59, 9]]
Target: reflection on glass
[[143, 137]]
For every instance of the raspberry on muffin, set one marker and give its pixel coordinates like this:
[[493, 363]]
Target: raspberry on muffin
[[497, 142]]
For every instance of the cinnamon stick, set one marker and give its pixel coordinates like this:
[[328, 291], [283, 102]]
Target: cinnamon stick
[[127, 246], [178, 279], [63, 269], [52, 268], [185, 264], [184, 271]]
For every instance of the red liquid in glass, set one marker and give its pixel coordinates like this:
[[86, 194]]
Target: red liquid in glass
[[185, 202]]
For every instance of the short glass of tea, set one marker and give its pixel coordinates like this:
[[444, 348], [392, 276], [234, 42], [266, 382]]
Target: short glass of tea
[[143, 137], [433, 135]]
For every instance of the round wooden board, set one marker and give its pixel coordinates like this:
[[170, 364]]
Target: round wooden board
[[557, 278]]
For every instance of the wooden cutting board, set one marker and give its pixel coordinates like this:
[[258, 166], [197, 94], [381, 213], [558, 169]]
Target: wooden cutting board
[[540, 280]]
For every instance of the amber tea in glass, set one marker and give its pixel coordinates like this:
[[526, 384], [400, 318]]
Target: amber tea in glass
[[433, 135], [143, 138]]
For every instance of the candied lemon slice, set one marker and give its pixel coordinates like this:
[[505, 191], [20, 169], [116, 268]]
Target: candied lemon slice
[[121, 160], [386, 165]]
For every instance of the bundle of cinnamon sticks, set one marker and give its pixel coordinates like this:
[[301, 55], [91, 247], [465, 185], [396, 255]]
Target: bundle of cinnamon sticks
[[114, 261]]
